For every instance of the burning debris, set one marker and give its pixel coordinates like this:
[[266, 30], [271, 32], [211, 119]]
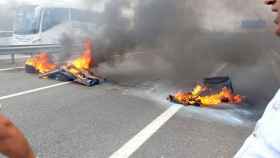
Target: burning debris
[[78, 70], [40, 63], [206, 95]]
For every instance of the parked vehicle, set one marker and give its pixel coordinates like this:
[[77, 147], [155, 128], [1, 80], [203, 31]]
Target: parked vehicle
[[43, 24]]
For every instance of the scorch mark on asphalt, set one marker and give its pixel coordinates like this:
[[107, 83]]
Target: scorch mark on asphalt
[[139, 139]]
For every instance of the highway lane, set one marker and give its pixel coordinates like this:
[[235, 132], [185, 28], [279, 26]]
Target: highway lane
[[191, 137], [15, 81], [76, 121]]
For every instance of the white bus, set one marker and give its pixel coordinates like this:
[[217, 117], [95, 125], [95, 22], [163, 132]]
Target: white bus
[[38, 24]]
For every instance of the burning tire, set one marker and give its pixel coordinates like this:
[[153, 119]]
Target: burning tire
[[214, 92]]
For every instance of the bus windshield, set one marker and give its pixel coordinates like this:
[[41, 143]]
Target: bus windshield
[[27, 20], [53, 17]]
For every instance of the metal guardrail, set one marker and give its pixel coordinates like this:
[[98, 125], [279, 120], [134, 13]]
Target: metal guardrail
[[6, 33], [28, 49]]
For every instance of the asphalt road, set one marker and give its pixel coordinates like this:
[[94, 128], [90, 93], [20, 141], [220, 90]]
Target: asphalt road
[[72, 121]]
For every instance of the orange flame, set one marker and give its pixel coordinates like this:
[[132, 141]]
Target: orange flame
[[41, 62], [195, 97], [199, 89], [84, 63]]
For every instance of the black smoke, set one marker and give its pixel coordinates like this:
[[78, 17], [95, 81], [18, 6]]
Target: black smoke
[[169, 40]]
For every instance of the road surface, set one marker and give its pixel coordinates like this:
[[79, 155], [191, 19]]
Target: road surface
[[66, 120]]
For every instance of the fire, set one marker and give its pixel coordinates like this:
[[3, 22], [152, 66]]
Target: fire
[[78, 70], [84, 63], [41, 63], [196, 98], [198, 89]]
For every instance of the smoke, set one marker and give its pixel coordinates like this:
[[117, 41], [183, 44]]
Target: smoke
[[116, 36], [184, 41], [182, 33]]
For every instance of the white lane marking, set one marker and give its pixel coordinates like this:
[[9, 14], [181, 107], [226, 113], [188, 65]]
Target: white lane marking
[[33, 90], [11, 68], [138, 140], [219, 69]]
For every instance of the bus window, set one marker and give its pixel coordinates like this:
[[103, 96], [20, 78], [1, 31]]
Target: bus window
[[83, 16], [53, 17], [27, 20]]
